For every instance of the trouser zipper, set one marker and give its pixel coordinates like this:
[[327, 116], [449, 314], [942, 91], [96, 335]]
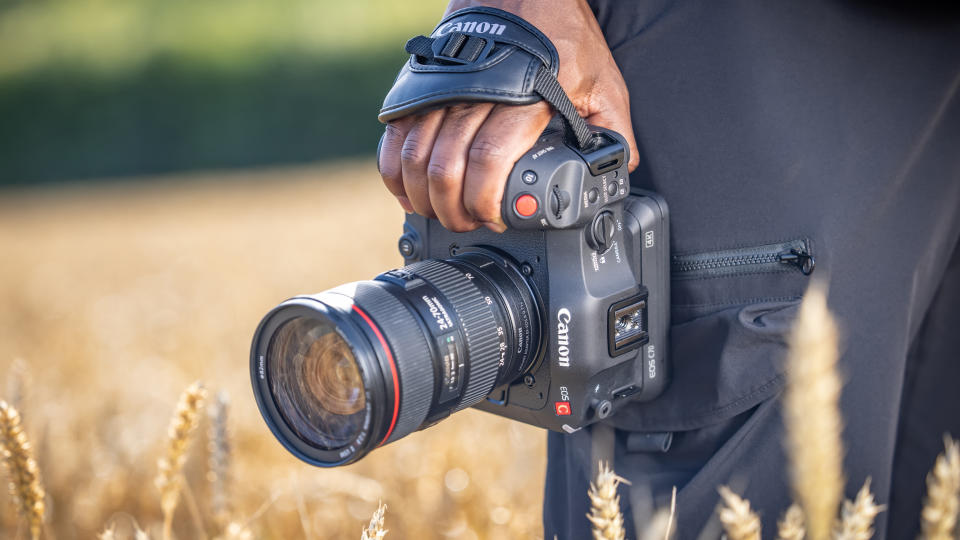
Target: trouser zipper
[[795, 254]]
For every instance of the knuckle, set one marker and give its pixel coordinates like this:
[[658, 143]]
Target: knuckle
[[393, 132], [391, 174], [413, 151], [463, 111], [443, 174], [487, 152]]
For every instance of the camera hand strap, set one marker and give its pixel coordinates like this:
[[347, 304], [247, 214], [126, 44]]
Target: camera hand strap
[[482, 54]]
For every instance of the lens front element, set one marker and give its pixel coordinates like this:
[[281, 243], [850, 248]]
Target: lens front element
[[316, 382], [342, 372]]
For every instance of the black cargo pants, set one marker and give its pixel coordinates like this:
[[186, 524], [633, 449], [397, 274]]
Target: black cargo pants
[[768, 124]]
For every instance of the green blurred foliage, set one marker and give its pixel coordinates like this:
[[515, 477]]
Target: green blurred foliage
[[94, 88]]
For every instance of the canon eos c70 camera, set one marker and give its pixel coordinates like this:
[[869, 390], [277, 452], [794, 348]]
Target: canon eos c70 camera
[[557, 322]]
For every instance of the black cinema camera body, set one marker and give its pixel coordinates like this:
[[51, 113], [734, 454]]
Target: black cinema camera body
[[557, 322]]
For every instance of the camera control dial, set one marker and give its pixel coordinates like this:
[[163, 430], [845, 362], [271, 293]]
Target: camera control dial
[[559, 201], [600, 233]]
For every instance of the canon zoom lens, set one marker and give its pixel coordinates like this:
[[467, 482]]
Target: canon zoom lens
[[342, 372]]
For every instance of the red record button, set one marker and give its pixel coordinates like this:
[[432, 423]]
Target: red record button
[[526, 205], [563, 408]]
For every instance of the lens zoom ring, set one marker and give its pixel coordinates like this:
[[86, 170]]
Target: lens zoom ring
[[407, 341], [479, 326]]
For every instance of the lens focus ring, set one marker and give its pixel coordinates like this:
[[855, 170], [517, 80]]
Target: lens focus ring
[[477, 320], [406, 340]]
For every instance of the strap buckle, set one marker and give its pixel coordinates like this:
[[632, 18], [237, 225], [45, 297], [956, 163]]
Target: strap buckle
[[453, 48], [458, 48]]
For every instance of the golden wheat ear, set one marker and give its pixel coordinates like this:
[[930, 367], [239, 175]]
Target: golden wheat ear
[[812, 415], [858, 515], [25, 485], [236, 531], [791, 525], [375, 530], [169, 478], [938, 520], [122, 526], [110, 533], [739, 521], [605, 505]]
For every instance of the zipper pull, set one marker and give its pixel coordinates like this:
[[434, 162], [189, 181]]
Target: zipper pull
[[803, 261]]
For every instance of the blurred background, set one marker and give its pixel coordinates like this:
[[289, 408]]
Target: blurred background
[[169, 171], [97, 88]]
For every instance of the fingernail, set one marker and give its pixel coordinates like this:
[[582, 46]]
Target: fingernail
[[405, 203], [495, 226]]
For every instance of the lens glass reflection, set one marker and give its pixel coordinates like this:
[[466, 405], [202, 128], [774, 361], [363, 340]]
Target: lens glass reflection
[[316, 383]]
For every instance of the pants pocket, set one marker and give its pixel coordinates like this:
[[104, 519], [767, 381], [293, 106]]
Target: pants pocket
[[722, 364]]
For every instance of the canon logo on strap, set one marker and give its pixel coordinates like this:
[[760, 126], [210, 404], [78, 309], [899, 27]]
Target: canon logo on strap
[[470, 26], [563, 339]]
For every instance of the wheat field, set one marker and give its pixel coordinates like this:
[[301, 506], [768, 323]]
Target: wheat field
[[116, 296]]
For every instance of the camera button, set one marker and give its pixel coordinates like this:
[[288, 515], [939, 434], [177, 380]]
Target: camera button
[[612, 189], [529, 177], [593, 195], [526, 205]]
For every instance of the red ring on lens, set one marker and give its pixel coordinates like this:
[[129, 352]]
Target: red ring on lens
[[393, 371]]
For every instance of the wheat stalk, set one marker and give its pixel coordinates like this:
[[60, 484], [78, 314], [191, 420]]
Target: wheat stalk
[[219, 451], [18, 383], [605, 505], [813, 416], [25, 485], [857, 516], [938, 520], [790, 527], [375, 530], [169, 478], [661, 524], [739, 521]]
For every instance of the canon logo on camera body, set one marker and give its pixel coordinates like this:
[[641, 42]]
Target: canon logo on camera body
[[563, 339], [470, 26]]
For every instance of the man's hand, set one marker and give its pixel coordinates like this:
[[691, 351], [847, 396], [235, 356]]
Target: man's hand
[[452, 163]]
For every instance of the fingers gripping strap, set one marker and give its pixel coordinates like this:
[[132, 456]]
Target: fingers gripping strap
[[481, 54]]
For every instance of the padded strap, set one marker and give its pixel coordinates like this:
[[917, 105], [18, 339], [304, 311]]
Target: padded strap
[[482, 54]]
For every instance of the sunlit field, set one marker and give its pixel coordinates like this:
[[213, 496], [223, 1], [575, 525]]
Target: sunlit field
[[114, 297]]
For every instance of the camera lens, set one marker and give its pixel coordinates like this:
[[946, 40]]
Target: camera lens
[[342, 372], [316, 383]]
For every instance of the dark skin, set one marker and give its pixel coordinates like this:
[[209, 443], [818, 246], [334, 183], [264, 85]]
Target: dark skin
[[452, 163]]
